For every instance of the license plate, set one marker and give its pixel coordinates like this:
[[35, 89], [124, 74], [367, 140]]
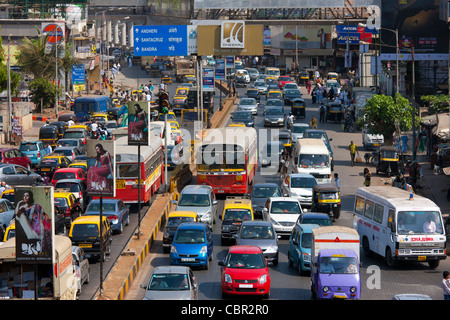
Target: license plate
[[338, 296], [45, 169], [245, 286], [187, 259], [422, 258], [85, 245], [220, 191]]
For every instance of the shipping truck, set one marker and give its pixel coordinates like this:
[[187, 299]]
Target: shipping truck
[[17, 280], [335, 262], [183, 67]]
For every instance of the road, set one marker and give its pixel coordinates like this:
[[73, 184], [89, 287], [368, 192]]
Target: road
[[378, 281]]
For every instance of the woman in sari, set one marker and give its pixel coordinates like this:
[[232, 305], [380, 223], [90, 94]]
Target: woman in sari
[[97, 176], [35, 223], [138, 125]]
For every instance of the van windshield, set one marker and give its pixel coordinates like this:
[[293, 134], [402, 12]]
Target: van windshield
[[419, 222], [338, 265], [313, 160]]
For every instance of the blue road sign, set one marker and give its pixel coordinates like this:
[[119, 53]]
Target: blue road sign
[[164, 40]]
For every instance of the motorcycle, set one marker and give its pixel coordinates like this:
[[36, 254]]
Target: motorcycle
[[349, 125]]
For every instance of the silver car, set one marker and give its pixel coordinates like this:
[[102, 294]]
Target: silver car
[[297, 131], [70, 152], [248, 104], [171, 283], [299, 186], [260, 234], [261, 86], [80, 266], [200, 199]]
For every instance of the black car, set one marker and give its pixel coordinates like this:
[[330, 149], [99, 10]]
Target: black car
[[290, 95], [253, 93], [274, 116], [244, 117], [260, 193]]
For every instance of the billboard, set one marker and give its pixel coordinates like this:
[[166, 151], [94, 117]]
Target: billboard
[[307, 37], [78, 77], [101, 172], [35, 224], [138, 120], [163, 40], [232, 34], [209, 41]]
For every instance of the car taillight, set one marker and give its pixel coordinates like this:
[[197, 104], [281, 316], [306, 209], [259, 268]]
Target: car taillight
[[84, 141], [113, 217], [80, 194], [39, 154]]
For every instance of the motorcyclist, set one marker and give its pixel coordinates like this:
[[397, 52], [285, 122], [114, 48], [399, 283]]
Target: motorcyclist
[[348, 123], [290, 120]]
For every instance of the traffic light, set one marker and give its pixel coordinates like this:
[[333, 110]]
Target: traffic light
[[163, 102]]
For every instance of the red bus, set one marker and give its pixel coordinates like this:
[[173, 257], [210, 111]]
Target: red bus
[[152, 173], [227, 160]]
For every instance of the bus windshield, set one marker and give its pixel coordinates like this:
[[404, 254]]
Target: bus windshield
[[217, 161], [419, 222]]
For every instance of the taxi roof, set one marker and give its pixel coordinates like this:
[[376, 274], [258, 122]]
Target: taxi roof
[[182, 214]]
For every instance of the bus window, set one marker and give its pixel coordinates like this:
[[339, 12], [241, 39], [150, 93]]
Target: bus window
[[359, 205], [378, 213], [391, 219], [368, 210], [130, 170]]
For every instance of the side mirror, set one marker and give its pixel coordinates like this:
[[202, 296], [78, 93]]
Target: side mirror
[[143, 286], [215, 202], [220, 263], [174, 202], [331, 139]]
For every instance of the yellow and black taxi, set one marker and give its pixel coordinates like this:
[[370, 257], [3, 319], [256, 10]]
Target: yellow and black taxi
[[174, 219], [189, 78], [237, 125], [181, 91], [82, 164], [50, 163], [80, 126], [174, 124], [99, 117], [10, 232], [8, 194], [85, 233], [170, 116], [166, 78], [68, 204], [235, 211], [274, 94], [179, 103]]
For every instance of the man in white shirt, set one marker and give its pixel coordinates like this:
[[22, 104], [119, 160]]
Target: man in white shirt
[[429, 226], [70, 122]]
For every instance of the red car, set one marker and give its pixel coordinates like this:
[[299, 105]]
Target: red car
[[69, 173], [282, 80], [15, 156], [245, 272]]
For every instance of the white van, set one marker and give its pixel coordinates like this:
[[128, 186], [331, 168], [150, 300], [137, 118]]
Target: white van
[[371, 140], [312, 156]]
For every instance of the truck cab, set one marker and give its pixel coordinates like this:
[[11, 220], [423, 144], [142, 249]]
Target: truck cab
[[335, 262]]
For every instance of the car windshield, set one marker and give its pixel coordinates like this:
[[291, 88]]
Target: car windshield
[[68, 143], [260, 84], [242, 115], [176, 221], [293, 92], [95, 207], [274, 103], [299, 129], [194, 200], [257, 232], [246, 102], [245, 261], [419, 222], [189, 236], [73, 187], [168, 282], [266, 192], [85, 230], [64, 175], [319, 221], [28, 147], [338, 265], [285, 207], [274, 111], [297, 182], [237, 215], [306, 240], [61, 202], [316, 135], [313, 160]]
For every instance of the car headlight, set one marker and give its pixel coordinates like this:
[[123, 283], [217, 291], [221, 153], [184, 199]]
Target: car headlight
[[166, 235], [173, 249], [206, 216], [225, 227], [228, 278], [204, 249], [272, 249], [263, 279], [306, 257], [325, 289], [353, 289]]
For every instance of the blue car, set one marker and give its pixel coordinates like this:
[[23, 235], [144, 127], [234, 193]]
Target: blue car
[[299, 252], [114, 209], [192, 245], [35, 150]]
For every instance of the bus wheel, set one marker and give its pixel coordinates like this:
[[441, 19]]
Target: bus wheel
[[366, 247], [391, 263], [433, 264]]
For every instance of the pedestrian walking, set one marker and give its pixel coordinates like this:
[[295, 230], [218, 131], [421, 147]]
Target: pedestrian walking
[[284, 163], [337, 181], [446, 285], [353, 151], [308, 86], [321, 113], [367, 177]]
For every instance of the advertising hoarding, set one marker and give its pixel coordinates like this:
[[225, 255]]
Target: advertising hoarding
[[101, 174]]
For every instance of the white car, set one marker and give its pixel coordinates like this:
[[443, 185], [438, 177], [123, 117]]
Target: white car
[[299, 186], [290, 86], [244, 73], [370, 140], [80, 266], [248, 104], [283, 212], [333, 84]]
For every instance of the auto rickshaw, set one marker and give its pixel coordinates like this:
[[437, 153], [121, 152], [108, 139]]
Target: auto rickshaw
[[166, 78], [335, 112], [303, 77], [388, 160], [298, 108], [49, 135], [326, 198]]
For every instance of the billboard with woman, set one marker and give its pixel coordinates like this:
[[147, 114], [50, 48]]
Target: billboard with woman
[[138, 120], [34, 224], [101, 168]]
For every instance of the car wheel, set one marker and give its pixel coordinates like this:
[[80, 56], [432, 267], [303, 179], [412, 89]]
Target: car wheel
[[121, 227], [366, 247], [88, 277]]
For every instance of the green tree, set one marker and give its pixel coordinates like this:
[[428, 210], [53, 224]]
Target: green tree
[[381, 113], [436, 103], [43, 90], [15, 77]]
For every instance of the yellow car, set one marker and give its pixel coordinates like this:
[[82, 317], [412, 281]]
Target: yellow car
[[85, 233], [274, 94], [50, 163], [190, 78], [79, 164], [174, 125], [68, 204], [8, 194], [10, 232], [174, 219], [235, 211], [99, 117], [236, 125], [181, 91]]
